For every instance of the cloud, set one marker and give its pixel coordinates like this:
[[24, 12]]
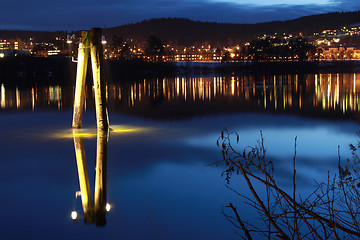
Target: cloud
[[347, 5], [274, 2]]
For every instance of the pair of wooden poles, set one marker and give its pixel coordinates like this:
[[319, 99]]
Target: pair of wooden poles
[[91, 42]]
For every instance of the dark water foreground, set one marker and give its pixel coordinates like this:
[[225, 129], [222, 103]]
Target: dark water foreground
[[157, 174], [162, 139]]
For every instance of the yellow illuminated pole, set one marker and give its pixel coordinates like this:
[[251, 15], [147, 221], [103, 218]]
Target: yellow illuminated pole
[[100, 178], [83, 176], [96, 51], [91, 41], [83, 56]]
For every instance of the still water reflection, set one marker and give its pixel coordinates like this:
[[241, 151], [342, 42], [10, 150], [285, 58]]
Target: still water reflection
[[157, 180], [308, 94], [93, 212]]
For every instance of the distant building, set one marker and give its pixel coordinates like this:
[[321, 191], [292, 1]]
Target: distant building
[[13, 44], [52, 52], [340, 53]]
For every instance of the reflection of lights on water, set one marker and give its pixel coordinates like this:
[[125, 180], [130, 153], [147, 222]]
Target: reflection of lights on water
[[92, 132], [2, 96], [177, 87], [78, 194], [74, 215], [84, 133], [126, 129], [55, 93], [33, 99], [17, 98], [232, 86], [354, 81], [107, 207], [331, 88]]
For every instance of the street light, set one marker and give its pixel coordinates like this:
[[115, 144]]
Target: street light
[[103, 40], [69, 38]]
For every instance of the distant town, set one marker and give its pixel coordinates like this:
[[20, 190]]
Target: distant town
[[329, 44]]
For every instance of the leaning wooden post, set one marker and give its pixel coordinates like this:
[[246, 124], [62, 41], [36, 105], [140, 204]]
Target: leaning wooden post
[[96, 51], [83, 177], [83, 56], [100, 178]]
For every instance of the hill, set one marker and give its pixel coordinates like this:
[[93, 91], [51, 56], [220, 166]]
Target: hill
[[42, 36], [185, 32]]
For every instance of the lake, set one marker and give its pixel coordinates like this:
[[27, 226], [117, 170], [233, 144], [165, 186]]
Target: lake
[[158, 176]]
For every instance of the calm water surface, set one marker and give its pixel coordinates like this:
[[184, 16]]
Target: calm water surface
[[163, 138]]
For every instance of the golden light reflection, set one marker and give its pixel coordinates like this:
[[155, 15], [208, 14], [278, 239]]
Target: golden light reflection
[[108, 207], [354, 84], [55, 93], [335, 92], [74, 215], [17, 98], [83, 176], [128, 129], [88, 133], [3, 101], [94, 210], [33, 99], [284, 98], [83, 133], [233, 86]]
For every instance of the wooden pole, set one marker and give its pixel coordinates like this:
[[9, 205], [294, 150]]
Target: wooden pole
[[83, 177], [96, 51], [100, 178], [93, 42], [83, 56]]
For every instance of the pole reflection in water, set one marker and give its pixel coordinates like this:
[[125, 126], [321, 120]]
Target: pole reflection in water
[[100, 179], [93, 213]]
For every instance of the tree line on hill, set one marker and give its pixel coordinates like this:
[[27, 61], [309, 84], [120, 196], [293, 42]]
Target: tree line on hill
[[181, 32], [268, 49], [184, 32]]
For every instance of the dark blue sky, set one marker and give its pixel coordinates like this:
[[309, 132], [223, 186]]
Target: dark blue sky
[[84, 14]]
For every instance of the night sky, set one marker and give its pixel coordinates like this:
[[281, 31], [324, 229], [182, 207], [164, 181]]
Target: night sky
[[84, 14]]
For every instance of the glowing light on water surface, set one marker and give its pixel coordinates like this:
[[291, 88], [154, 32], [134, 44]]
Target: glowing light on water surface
[[74, 215], [108, 207], [84, 133], [92, 132]]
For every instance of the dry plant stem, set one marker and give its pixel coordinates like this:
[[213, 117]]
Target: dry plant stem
[[246, 231], [331, 223], [312, 229], [321, 216], [294, 196], [283, 235], [334, 226], [266, 186], [287, 198]]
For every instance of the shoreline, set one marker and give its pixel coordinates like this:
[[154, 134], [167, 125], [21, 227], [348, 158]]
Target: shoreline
[[28, 70]]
